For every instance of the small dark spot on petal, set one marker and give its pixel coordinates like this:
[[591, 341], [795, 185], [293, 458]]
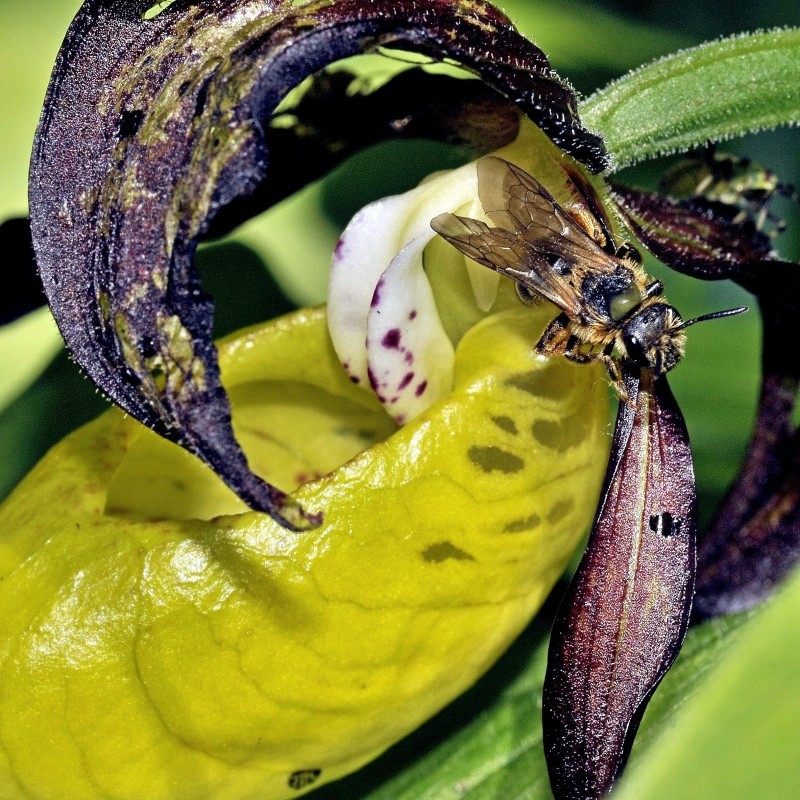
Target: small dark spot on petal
[[129, 122], [665, 524], [491, 459], [407, 378], [337, 252], [506, 424], [543, 382], [391, 339], [412, 315], [442, 551], [548, 433], [302, 778], [376, 295], [569, 432], [421, 388], [560, 510], [526, 524], [200, 101]]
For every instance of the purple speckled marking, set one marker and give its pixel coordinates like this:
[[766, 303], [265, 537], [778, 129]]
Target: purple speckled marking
[[421, 388], [412, 315], [338, 250], [376, 295], [375, 384], [407, 378], [355, 379], [373, 379], [409, 357], [391, 339]]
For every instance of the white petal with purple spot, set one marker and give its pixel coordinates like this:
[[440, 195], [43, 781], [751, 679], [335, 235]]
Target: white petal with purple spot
[[409, 355], [366, 248]]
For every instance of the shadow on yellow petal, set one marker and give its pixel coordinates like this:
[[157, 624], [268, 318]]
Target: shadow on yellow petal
[[160, 641]]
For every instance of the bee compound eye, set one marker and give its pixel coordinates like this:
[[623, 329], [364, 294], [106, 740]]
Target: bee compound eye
[[636, 349]]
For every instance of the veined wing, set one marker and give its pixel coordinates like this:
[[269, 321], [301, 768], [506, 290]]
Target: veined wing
[[511, 254], [516, 201]]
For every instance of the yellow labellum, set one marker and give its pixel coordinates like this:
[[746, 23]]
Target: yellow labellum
[[157, 640]]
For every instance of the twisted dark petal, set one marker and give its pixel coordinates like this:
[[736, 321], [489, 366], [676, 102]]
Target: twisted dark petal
[[690, 238], [151, 127], [754, 539], [625, 614], [22, 289], [334, 119]]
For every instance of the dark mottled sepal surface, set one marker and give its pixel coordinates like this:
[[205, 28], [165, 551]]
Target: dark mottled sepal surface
[[625, 614], [690, 238]]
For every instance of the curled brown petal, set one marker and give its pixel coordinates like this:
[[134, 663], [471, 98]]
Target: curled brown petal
[[155, 123], [688, 238], [754, 538]]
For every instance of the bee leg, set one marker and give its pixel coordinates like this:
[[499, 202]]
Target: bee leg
[[574, 355], [559, 340], [556, 337], [615, 373]]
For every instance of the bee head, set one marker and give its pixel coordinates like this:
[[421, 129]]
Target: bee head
[[653, 338]]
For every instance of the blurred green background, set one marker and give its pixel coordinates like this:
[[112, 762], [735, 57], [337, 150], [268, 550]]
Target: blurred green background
[[272, 265]]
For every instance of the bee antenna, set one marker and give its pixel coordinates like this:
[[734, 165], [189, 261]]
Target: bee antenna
[[714, 315]]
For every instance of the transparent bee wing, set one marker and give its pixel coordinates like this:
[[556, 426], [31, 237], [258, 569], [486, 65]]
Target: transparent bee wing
[[510, 254], [516, 201]]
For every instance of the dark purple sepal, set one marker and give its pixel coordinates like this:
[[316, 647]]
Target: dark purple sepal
[[689, 237], [151, 127], [754, 538], [753, 541], [624, 616]]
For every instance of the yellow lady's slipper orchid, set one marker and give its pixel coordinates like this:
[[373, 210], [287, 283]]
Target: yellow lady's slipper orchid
[[159, 640]]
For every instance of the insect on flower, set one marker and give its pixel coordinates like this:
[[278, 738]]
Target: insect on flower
[[611, 310]]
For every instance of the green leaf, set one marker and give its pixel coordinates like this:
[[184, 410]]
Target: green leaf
[[578, 35], [33, 336], [737, 738], [715, 91]]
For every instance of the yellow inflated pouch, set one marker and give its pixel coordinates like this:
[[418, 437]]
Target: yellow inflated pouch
[[159, 640]]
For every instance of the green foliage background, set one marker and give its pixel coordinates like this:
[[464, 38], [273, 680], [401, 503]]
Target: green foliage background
[[724, 722]]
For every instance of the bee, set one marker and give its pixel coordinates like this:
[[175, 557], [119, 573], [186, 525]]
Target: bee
[[611, 311]]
